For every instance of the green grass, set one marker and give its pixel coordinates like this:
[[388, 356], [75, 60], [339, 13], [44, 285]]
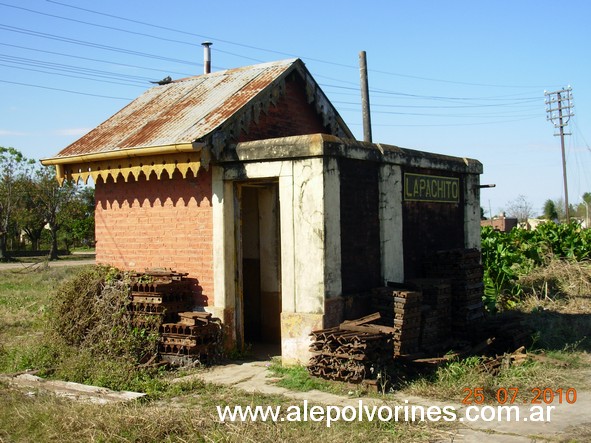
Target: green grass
[[297, 378], [24, 297]]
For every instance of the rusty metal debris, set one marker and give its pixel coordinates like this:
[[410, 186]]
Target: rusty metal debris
[[349, 355], [417, 321]]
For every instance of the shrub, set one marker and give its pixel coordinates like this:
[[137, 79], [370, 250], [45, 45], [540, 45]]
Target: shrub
[[90, 331], [508, 256]]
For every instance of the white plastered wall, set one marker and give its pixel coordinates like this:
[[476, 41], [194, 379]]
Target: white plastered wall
[[310, 243], [390, 201]]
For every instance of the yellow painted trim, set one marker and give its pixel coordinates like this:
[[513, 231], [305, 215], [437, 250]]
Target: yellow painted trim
[[131, 167], [125, 153]]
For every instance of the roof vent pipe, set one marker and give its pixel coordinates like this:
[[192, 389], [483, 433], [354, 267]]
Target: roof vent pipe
[[206, 57]]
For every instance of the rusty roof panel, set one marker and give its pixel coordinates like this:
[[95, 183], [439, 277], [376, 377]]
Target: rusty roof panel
[[180, 112]]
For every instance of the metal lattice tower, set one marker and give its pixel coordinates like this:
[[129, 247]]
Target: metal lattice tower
[[559, 108]]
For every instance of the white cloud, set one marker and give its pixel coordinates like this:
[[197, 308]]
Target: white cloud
[[5, 132], [72, 131]]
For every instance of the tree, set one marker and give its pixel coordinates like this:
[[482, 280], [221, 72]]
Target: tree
[[78, 226], [520, 208], [550, 210], [29, 214], [13, 167], [55, 202]]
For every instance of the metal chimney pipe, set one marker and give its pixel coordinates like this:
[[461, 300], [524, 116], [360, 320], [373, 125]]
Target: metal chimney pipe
[[206, 57], [365, 97]]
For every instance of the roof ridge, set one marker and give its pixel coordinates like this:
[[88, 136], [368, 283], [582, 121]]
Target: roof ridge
[[230, 71]]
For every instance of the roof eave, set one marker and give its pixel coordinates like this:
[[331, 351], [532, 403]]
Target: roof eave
[[124, 153]]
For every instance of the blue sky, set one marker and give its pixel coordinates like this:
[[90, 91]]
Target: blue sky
[[464, 78]]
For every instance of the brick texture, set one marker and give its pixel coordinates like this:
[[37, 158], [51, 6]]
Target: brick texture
[[292, 115], [360, 230], [158, 223], [168, 222], [428, 227]]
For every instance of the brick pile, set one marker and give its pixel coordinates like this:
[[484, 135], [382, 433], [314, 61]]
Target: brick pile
[[196, 337], [400, 309], [436, 318], [158, 295], [161, 300], [463, 268]]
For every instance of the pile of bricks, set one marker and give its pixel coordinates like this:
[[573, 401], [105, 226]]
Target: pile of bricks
[[400, 309], [436, 318], [463, 268], [196, 337], [158, 295], [352, 352], [161, 301]]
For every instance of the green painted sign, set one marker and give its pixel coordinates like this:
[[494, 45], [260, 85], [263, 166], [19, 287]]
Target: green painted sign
[[431, 188]]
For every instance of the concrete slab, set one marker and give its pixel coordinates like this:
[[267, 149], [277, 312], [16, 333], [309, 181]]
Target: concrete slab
[[74, 391]]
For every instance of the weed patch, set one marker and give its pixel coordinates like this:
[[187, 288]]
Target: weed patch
[[297, 378]]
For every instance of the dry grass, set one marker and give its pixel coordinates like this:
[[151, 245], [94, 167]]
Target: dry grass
[[560, 279], [558, 305], [189, 414], [24, 298], [558, 308], [193, 418]]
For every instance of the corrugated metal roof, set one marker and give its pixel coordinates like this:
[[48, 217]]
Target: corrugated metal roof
[[182, 111]]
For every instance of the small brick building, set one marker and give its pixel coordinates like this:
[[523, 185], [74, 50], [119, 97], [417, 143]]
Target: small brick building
[[249, 180]]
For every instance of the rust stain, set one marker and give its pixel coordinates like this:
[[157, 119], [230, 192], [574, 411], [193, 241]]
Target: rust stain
[[182, 111]]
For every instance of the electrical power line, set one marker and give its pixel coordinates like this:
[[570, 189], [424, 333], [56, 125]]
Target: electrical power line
[[91, 44], [142, 54], [64, 90], [69, 75], [79, 57], [496, 101], [258, 48]]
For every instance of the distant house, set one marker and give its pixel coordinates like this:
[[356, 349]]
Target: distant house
[[249, 180], [500, 223]]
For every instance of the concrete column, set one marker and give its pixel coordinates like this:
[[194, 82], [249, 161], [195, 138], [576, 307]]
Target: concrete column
[[286, 226], [333, 284], [472, 237], [392, 256], [309, 235], [224, 287]]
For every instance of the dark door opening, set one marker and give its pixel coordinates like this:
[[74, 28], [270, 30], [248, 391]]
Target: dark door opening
[[260, 271]]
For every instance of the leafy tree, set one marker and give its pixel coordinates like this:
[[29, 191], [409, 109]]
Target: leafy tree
[[28, 214], [55, 203], [78, 226], [13, 167], [550, 210]]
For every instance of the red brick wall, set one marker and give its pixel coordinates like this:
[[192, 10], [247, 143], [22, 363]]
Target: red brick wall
[[292, 115], [158, 223]]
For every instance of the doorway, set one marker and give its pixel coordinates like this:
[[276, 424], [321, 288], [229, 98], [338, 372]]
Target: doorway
[[259, 265]]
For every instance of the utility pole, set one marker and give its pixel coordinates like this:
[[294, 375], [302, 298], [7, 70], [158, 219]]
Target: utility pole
[[559, 108]]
